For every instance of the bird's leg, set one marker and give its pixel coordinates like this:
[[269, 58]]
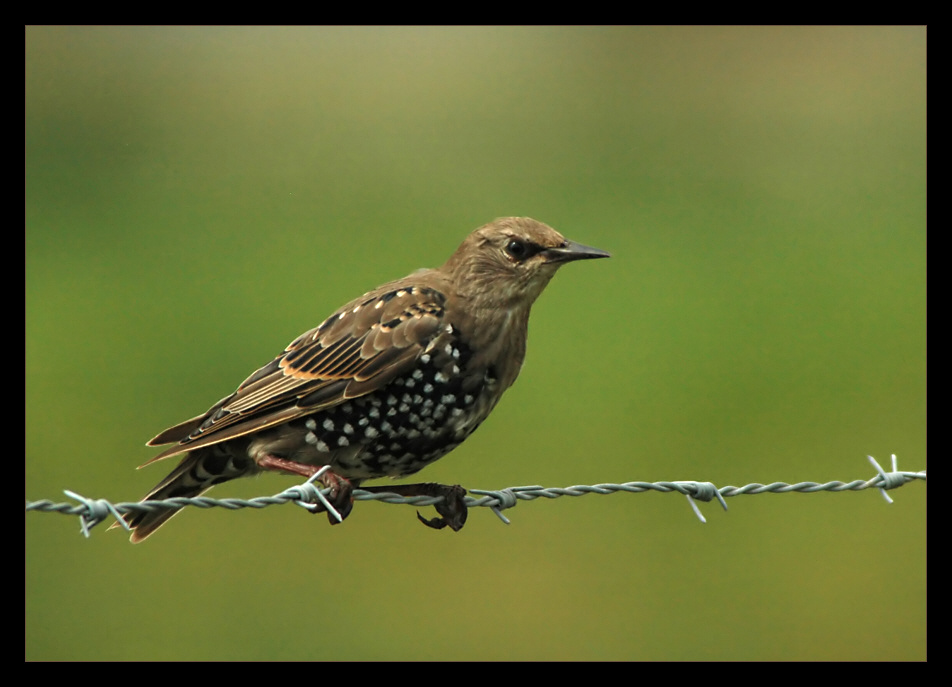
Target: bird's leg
[[341, 492], [452, 507]]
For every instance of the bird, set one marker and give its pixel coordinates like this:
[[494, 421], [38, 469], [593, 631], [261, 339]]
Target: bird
[[386, 385]]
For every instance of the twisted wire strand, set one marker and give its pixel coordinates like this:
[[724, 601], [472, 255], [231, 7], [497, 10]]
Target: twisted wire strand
[[93, 511]]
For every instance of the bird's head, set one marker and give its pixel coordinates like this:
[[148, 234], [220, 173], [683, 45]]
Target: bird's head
[[508, 262]]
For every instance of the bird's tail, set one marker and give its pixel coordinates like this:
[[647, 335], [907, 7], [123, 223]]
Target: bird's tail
[[198, 472]]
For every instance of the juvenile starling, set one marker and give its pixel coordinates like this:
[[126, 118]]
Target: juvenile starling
[[389, 383]]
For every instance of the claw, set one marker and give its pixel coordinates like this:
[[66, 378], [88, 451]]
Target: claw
[[340, 496], [435, 523], [452, 508]]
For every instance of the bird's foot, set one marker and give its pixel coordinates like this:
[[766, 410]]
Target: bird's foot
[[452, 508], [341, 490]]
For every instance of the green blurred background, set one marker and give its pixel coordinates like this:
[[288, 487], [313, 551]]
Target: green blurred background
[[197, 197]]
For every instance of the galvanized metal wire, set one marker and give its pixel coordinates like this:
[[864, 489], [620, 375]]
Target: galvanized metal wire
[[91, 512]]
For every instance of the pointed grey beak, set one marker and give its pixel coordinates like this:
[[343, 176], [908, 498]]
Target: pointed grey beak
[[574, 251]]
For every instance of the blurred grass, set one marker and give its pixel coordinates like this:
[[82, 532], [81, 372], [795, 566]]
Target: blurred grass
[[197, 197]]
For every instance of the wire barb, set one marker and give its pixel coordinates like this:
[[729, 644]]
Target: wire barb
[[96, 510], [311, 496], [307, 495], [503, 498], [890, 480]]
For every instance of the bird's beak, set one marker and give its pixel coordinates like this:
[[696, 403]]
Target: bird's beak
[[570, 250]]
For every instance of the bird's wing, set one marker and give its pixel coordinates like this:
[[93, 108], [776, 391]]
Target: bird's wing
[[359, 349]]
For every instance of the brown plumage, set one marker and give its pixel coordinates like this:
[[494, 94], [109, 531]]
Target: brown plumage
[[389, 383]]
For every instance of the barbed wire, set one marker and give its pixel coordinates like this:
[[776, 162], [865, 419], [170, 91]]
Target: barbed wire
[[91, 512]]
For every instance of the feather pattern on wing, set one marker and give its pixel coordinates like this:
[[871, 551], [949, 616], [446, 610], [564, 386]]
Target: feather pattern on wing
[[357, 350]]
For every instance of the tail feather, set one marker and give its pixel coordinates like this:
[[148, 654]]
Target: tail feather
[[198, 472]]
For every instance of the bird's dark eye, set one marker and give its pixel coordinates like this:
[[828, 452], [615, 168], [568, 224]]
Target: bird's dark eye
[[517, 249], [520, 250]]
